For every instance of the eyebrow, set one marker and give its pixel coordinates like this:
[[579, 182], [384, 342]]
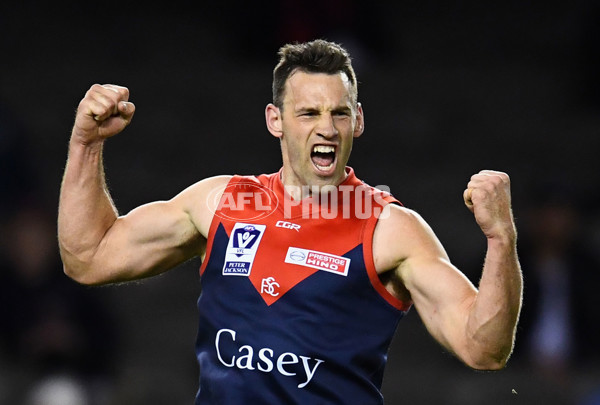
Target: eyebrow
[[343, 109], [303, 110], [340, 109]]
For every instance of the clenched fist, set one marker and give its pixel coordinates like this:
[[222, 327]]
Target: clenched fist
[[488, 197], [103, 112]]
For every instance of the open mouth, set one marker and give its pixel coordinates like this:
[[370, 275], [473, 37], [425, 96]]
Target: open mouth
[[323, 157]]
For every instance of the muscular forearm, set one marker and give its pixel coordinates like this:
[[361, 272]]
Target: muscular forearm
[[86, 210], [495, 311]]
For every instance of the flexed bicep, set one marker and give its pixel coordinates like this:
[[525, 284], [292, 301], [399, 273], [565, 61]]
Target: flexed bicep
[[158, 236], [149, 240]]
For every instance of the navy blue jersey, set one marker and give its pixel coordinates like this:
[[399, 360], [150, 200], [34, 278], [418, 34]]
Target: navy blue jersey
[[292, 310]]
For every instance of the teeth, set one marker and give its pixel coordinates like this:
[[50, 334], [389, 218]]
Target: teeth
[[323, 149], [325, 167]]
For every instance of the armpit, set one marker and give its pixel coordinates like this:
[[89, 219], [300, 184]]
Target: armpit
[[394, 285]]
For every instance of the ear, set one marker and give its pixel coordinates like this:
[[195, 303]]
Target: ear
[[359, 128], [273, 118]]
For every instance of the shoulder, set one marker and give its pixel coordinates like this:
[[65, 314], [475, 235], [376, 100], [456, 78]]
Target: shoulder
[[201, 199], [400, 234], [396, 219], [205, 188]]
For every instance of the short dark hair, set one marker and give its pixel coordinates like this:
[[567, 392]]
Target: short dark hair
[[318, 56]]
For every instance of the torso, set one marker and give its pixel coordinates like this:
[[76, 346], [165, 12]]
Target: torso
[[278, 306]]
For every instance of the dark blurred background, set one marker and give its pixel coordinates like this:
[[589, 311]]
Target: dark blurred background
[[447, 89]]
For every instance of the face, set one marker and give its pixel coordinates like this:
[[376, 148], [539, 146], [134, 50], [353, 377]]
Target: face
[[316, 127]]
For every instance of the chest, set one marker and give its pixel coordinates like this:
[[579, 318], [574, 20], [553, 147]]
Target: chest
[[276, 255]]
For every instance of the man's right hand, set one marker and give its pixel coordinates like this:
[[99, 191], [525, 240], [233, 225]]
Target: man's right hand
[[103, 112]]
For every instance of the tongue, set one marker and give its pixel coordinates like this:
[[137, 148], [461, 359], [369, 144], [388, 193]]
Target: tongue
[[323, 159]]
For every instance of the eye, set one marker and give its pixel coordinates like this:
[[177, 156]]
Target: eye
[[341, 114]]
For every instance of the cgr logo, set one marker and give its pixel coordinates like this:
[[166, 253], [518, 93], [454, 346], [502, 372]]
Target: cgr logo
[[288, 225]]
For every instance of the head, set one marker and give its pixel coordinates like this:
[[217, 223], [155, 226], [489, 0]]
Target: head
[[315, 112], [318, 56]]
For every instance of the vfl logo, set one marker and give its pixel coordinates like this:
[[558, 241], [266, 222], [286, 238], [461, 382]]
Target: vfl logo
[[241, 249], [244, 239], [268, 286], [318, 260]]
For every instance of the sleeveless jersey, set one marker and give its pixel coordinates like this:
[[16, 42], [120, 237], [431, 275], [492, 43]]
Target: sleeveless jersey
[[292, 310]]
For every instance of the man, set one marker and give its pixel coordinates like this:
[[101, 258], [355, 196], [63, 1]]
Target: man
[[307, 271]]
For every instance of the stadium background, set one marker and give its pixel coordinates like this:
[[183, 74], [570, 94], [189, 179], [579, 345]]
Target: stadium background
[[447, 89]]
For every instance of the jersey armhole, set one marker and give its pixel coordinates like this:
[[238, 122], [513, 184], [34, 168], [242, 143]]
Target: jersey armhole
[[214, 224], [368, 232], [209, 242]]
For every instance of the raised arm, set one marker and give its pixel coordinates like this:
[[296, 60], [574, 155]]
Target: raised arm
[[477, 325], [97, 245]]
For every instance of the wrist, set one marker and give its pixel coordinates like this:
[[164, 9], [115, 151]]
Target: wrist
[[506, 237], [77, 143]]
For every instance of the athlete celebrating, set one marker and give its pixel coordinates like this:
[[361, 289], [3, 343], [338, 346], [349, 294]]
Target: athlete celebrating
[[305, 272]]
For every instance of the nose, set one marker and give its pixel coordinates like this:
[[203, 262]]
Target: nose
[[326, 127]]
